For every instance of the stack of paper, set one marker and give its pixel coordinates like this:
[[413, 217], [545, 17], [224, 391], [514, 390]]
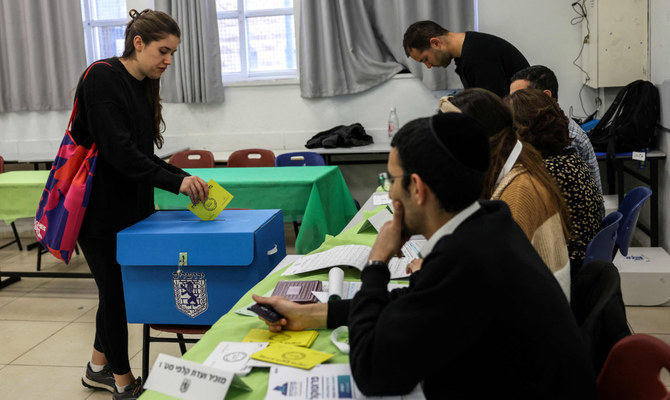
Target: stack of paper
[[353, 255]]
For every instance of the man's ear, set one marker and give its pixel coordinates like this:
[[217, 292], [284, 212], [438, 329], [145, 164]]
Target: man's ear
[[418, 189], [547, 92], [435, 42]]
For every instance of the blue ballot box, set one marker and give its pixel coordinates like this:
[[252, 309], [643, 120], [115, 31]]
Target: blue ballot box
[[178, 269]]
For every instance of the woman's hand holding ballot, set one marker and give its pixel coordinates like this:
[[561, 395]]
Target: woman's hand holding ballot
[[195, 188]]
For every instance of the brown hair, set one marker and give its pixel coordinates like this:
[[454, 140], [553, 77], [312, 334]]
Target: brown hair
[[486, 107], [418, 35], [539, 120], [150, 26]]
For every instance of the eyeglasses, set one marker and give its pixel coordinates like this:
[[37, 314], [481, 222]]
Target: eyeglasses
[[385, 180]]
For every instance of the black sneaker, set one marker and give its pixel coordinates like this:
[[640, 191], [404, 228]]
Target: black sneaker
[[132, 392], [103, 380]]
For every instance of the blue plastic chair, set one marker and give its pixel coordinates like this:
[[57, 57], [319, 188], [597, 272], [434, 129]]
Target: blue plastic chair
[[601, 246], [299, 158], [630, 208]]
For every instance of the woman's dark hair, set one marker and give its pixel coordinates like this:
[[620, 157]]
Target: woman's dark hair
[[496, 116], [539, 120], [150, 26]]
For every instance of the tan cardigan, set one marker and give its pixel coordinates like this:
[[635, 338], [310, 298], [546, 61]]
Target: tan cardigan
[[532, 209]]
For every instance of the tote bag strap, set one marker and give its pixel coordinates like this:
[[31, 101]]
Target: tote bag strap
[[76, 99]]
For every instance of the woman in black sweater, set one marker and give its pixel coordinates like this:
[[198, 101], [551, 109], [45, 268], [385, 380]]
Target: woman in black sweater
[[119, 110]]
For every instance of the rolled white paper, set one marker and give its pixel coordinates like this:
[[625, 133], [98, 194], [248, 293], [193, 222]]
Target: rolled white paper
[[335, 283]]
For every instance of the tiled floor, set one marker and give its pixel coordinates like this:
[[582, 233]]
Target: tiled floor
[[47, 327]]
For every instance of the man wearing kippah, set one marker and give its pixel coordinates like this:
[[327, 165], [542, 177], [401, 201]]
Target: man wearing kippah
[[482, 60], [483, 313]]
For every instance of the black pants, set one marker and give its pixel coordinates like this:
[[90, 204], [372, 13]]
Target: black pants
[[111, 336]]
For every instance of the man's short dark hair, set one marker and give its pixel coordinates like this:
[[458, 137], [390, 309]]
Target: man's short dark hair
[[539, 77], [450, 152], [418, 35]]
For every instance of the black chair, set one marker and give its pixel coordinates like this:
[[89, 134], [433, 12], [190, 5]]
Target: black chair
[[598, 307], [180, 330]]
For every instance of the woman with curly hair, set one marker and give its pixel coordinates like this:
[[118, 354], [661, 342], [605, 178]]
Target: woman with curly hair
[[518, 177], [540, 121]]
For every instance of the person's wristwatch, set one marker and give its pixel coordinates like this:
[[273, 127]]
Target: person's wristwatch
[[376, 262]]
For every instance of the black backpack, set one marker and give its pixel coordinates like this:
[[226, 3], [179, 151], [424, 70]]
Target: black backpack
[[630, 122]]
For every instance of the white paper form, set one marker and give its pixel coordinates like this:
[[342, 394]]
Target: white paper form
[[326, 381], [350, 288], [234, 356], [379, 198], [188, 380], [353, 255]]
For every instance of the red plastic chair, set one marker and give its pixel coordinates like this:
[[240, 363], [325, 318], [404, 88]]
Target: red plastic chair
[[193, 159], [632, 369], [252, 158]]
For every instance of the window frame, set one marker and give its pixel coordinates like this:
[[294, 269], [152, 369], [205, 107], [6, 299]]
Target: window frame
[[241, 14], [91, 39]]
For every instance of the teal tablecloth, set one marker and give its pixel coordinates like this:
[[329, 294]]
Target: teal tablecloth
[[317, 196]]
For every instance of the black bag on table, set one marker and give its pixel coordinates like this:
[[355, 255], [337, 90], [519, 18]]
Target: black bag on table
[[629, 124], [340, 136]]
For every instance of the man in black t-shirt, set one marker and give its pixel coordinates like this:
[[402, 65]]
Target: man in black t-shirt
[[482, 60]]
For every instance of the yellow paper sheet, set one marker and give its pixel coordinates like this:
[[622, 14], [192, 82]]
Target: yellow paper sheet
[[218, 200], [295, 338], [293, 356]]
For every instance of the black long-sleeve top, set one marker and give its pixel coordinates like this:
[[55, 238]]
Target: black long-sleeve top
[[114, 113], [483, 318], [488, 62]]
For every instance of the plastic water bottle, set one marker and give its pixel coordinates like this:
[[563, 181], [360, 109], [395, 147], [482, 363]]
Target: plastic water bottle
[[393, 123]]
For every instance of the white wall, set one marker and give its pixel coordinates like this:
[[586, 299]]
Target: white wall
[[541, 30], [275, 116]]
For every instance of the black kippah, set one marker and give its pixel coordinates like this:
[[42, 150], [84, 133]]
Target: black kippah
[[463, 139]]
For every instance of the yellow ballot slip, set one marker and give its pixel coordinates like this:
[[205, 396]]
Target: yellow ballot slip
[[218, 199], [293, 356], [295, 338]]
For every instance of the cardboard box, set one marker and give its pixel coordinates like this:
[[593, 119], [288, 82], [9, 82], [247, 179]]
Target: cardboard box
[[222, 260], [645, 276]]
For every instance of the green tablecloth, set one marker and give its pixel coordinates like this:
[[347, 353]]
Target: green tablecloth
[[233, 327], [20, 193], [317, 196]]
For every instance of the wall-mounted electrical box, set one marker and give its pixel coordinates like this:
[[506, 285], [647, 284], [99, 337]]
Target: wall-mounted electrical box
[[615, 52]]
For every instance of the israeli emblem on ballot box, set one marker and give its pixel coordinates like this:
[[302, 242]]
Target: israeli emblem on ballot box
[[190, 292]]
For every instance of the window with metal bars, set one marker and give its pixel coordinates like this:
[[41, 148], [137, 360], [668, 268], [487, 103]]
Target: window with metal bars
[[257, 39]]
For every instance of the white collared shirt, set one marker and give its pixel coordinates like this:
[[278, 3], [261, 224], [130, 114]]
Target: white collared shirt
[[448, 228]]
